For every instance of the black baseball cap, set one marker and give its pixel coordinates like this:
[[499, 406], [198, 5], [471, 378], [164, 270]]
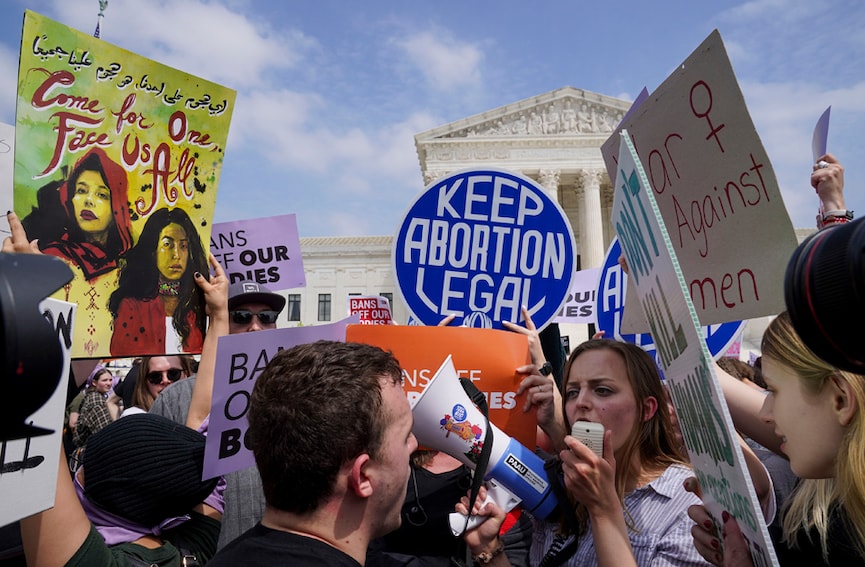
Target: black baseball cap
[[253, 292]]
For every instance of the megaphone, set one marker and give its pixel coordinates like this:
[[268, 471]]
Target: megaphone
[[445, 419]]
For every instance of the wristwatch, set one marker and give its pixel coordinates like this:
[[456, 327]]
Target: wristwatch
[[546, 369]]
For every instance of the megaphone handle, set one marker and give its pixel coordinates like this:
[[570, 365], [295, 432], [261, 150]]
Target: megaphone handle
[[495, 493]]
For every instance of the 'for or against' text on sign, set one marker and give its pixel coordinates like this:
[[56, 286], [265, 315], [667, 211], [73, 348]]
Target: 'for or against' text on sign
[[715, 188]]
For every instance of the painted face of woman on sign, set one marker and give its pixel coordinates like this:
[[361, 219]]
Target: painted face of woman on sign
[[172, 255], [91, 202]]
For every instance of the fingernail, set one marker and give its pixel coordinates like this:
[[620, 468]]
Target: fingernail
[[197, 275], [725, 516], [708, 524], [715, 544], [688, 484]]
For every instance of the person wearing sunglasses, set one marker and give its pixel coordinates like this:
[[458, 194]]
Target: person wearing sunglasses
[[246, 307], [252, 307], [156, 373]]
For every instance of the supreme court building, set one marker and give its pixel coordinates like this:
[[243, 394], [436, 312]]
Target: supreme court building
[[553, 138]]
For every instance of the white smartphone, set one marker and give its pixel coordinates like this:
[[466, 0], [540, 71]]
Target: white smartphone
[[591, 435]]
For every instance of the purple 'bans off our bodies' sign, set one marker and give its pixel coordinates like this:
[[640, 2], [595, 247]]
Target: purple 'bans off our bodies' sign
[[479, 244]]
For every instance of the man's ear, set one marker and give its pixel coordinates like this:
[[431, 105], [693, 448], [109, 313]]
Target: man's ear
[[844, 400], [358, 481], [650, 406]]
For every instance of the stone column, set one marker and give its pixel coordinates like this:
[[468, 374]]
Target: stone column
[[549, 180], [592, 229]]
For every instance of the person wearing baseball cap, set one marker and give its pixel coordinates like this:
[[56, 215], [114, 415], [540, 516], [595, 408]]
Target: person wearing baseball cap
[[252, 307]]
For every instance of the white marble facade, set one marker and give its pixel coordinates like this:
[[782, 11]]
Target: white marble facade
[[553, 138]]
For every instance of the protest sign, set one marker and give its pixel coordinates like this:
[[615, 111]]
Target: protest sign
[[662, 295], [612, 291], [29, 465], [7, 162], [240, 360], [370, 309], [488, 357], [820, 138], [579, 307], [480, 244], [265, 250], [118, 156], [715, 188]]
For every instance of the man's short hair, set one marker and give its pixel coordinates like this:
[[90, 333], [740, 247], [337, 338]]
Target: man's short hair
[[315, 407]]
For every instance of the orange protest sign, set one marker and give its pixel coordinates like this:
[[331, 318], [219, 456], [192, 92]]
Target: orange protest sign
[[486, 356]]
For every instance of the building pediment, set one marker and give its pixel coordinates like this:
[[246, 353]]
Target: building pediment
[[565, 112]]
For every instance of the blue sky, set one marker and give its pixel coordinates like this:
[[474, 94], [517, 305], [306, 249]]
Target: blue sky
[[331, 93]]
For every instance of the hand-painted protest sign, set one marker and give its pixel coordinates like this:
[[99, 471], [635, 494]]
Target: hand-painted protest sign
[[488, 357], [240, 360], [613, 288], [265, 250], [480, 244], [370, 309], [662, 294], [28, 466], [118, 156], [579, 307], [715, 188]]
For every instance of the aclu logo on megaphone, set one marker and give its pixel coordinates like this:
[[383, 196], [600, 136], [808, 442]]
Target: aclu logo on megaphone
[[445, 419]]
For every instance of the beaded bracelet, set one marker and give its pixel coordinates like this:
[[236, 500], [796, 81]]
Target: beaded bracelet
[[487, 556]]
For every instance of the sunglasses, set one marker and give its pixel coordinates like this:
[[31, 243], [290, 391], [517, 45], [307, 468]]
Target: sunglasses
[[155, 377], [244, 317]]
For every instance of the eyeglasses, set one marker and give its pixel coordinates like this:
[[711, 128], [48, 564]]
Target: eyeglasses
[[244, 316], [155, 377]]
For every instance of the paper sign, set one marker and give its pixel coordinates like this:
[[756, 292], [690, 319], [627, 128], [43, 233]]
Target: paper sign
[[488, 357], [662, 294], [240, 360], [118, 156], [370, 309], [265, 250], [28, 467], [612, 291], [820, 138], [715, 188], [579, 307], [480, 245]]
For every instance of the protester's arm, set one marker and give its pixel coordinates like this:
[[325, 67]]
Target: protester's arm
[[760, 479], [216, 296], [541, 391], [113, 404], [828, 182], [52, 537], [733, 552], [745, 403], [484, 539]]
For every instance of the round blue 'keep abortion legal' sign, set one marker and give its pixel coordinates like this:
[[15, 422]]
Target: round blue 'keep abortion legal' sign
[[479, 244]]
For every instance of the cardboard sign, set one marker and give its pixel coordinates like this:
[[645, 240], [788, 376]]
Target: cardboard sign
[[480, 244], [488, 357], [265, 250], [612, 290], [370, 309], [715, 188], [28, 467], [240, 360], [579, 307], [663, 296], [118, 156]]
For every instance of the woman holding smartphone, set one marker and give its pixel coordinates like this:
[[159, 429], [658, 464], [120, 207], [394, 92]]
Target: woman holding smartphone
[[628, 506]]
